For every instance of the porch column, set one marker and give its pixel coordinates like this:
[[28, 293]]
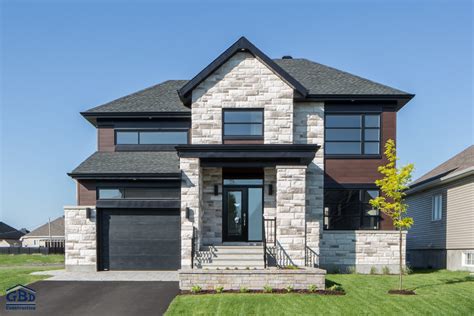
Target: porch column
[[191, 184], [290, 214]]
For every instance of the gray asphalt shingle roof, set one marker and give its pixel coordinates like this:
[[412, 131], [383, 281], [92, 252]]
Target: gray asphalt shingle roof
[[133, 162], [8, 232], [461, 161], [57, 229], [317, 78]]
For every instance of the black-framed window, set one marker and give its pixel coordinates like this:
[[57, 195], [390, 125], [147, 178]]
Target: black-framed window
[[151, 137], [138, 193], [349, 209], [240, 124], [352, 134]]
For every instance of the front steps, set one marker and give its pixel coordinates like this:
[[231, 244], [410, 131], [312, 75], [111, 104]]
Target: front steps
[[235, 256]]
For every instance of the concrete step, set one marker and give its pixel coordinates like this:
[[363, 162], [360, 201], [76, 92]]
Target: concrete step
[[254, 258], [220, 250], [230, 266]]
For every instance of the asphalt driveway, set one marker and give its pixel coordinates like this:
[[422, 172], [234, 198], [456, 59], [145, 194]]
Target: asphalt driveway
[[99, 298]]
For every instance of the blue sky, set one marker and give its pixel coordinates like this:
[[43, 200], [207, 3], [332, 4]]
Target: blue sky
[[59, 58]]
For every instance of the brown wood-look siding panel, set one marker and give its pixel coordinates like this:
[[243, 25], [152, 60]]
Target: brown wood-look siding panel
[[86, 192], [105, 139], [362, 171]]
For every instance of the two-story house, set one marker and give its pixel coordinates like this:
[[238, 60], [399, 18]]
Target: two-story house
[[254, 162]]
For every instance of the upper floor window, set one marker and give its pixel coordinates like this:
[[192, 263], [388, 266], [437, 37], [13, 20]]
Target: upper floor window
[[349, 209], [134, 137], [437, 208], [352, 134], [243, 124]]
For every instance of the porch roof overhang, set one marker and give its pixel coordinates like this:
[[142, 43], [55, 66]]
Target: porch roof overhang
[[249, 155]]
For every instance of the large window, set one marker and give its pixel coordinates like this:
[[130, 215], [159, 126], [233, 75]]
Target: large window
[[349, 209], [126, 137], [437, 208], [243, 124], [138, 193], [352, 134]]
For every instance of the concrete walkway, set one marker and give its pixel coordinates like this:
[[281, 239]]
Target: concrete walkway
[[63, 275]]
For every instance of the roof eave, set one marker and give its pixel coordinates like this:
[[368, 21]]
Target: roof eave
[[93, 116], [401, 99], [435, 181], [123, 176]]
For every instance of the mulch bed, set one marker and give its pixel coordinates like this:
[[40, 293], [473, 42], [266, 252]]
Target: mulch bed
[[402, 292], [275, 291]]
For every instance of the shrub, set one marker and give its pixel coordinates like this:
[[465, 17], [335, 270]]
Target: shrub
[[351, 270], [312, 288], [243, 289], [196, 289], [373, 270], [407, 270], [336, 287], [267, 289], [289, 289], [385, 270], [219, 289]]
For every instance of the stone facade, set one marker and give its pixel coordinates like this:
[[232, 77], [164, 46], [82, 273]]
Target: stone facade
[[242, 82], [80, 238], [211, 230], [308, 128], [191, 187], [361, 250], [251, 279], [291, 212]]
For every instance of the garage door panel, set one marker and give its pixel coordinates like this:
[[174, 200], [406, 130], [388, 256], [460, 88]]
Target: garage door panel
[[140, 239]]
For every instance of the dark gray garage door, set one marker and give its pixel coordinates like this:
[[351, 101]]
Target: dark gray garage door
[[139, 239]]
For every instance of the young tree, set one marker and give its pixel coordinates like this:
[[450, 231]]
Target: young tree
[[392, 201]]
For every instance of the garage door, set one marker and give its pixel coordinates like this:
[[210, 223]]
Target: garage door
[[139, 239]]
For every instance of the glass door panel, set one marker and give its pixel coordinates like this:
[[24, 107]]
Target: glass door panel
[[234, 215], [255, 209]]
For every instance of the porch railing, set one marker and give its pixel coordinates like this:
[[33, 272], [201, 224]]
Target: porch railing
[[269, 237]]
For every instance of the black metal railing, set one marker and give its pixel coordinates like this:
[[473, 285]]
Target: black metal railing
[[310, 257], [269, 237]]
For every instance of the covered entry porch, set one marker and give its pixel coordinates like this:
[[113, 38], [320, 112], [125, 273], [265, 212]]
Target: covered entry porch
[[244, 206]]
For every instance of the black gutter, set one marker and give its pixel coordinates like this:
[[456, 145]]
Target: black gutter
[[121, 176]]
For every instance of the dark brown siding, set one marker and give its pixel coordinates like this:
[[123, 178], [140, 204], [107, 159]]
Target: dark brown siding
[[86, 192], [105, 139], [362, 171]]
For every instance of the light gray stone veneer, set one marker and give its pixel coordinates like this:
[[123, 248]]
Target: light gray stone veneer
[[251, 279], [291, 211], [80, 238], [211, 230], [242, 82], [361, 250]]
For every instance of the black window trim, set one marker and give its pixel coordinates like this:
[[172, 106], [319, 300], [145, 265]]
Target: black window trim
[[362, 141], [124, 188], [361, 215], [152, 129], [243, 137]]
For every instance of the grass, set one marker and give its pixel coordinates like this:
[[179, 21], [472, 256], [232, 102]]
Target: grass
[[34, 259], [438, 293], [16, 269]]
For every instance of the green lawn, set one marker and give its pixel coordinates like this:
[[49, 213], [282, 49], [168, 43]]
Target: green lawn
[[438, 293], [35, 259], [16, 269]]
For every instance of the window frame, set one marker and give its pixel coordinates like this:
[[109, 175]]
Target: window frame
[[142, 130], [123, 190], [361, 204], [243, 137], [465, 255], [362, 136], [434, 217]]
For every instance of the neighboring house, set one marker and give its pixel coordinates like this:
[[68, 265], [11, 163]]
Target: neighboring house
[[49, 233], [441, 203], [253, 155], [9, 236]]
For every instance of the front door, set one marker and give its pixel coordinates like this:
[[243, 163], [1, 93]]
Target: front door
[[243, 213]]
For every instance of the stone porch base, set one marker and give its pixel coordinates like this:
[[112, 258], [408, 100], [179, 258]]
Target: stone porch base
[[252, 279]]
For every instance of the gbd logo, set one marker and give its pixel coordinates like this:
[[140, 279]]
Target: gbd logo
[[20, 297]]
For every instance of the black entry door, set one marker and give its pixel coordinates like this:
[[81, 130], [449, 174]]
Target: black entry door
[[139, 239], [242, 213]]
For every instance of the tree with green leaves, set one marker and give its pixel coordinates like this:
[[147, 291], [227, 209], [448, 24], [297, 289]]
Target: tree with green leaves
[[392, 202]]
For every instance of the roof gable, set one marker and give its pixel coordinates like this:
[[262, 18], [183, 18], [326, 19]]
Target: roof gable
[[8, 232], [57, 229], [241, 45]]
